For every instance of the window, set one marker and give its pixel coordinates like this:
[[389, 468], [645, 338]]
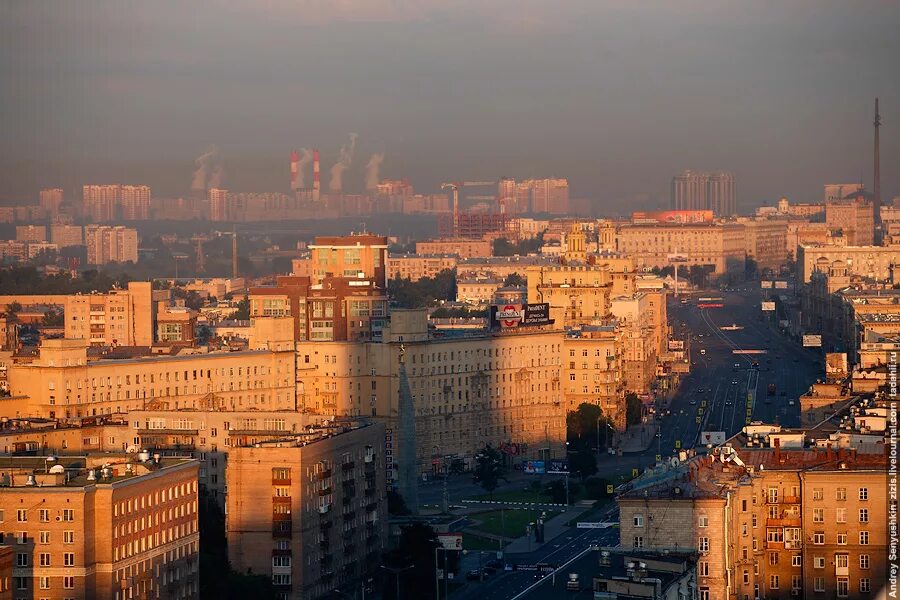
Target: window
[[638, 520], [21, 537], [843, 587], [68, 537], [703, 544], [703, 521], [22, 583], [773, 582], [819, 562], [840, 493], [796, 582], [703, 568], [841, 561], [818, 538], [21, 559], [69, 559], [773, 558], [863, 561], [68, 514], [69, 583], [704, 593], [863, 538], [45, 537], [863, 494], [797, 560], [773, 495], [864, 515], [637, 542], [281, 579], [817, 494], [841, 515], [842, 539], [22, 515], [746, 577], [818, 515], [281, 561], [44, 583], [44, 559], [775, 535], [819, 584], [44, 515], [864, 585]]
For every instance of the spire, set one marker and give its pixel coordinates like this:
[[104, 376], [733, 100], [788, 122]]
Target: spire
[[877, 173]]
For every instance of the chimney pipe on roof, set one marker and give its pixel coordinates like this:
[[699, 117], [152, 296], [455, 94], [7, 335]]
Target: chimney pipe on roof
[[830, 453], [777, 449]]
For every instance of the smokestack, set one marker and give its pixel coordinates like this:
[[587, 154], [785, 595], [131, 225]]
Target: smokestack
[[295, 169], [234, 261], [372, 168], [205, 164], [345, 159], [316, 184]]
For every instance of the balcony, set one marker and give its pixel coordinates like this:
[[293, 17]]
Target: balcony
[[348, 466], [326, 525], [281, 529], [323, 475], [370, 458], [842, 571], [791, 500], [324, 544], [371, 506], [787, 521], [324, 508], [279, 481], [325, 491]]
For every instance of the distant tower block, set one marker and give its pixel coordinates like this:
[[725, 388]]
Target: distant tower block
[[316, 185], [295, 170]]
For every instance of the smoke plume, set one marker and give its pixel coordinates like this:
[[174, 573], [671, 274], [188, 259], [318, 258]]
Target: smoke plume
[[209, 170], [305, 159], [345, 159], [372, 168]]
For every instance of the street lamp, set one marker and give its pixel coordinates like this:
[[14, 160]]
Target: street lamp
[[396, 571]]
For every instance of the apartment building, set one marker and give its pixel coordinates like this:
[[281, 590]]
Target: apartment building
[[63, 384], [469, 389], [356, 256], [873, 262], [770, 515], [855, 216], [65, 236], [461, 248], [100, 202], [580, 294], [720, 245], [414, 267], [31, 233], [116, 318], [766, 242], [477, 291], [336, 309], [594, 373], [309, 510], [135, 202], [51, 200], [108, 244], [101, 526]]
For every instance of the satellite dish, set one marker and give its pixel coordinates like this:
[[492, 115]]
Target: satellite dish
[[57, 469]]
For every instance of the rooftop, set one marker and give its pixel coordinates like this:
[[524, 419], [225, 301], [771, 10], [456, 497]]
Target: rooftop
[[80, 471]]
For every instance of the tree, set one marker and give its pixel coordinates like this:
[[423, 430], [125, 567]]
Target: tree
[[502, 247], [634, 409], [515, 280], [415, 548], [424, 292], [489, 469], [556, 491], [12, 308], [53, 318], [396, 504], [582, 462], [243, 310], [581, 425]]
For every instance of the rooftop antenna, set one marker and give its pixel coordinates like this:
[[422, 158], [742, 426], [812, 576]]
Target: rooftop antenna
[[234, 258]]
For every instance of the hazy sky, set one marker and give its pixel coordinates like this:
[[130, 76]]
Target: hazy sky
[[615, 95]]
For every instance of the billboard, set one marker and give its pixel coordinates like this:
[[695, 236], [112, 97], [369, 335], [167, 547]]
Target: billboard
[[673, 216], [836, 365], [558, 466], [676, 344], [716, 438], [768, 306], [765, 284], [451, 541], [520, 315], [812, 341], [534, 467], [781, 285]]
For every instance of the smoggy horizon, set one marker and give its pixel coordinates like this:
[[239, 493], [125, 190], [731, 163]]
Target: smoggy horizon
[[615, 96]]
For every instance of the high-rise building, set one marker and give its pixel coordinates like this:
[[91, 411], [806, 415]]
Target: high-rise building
[[106, 244], [66, 235], [689, 191], [135, 202], [51, 199], [693, 190], [101, 202], [309, 510], [31, 233], [361, 255], [102, 526], [119, 317], [218, 204], [720, 194]]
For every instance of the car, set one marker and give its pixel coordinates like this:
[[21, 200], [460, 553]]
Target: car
[[473, 575], [494, 563], [700, 390], [734, 382], [693, 401], [790, 402], [729, 402]]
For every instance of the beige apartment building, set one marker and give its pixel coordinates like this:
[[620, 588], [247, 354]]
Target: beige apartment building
[[873, 262], [101, 526], [415, 267], [766, 242], [116, 318], [309, 510], [359, 255], [31, 233], [721, 245], [63, 384], [65, 236], [768, 521], [469, 390], [108, 244], [462, 248], [135, 202], [594, 373], [856, 218], [477, 291]]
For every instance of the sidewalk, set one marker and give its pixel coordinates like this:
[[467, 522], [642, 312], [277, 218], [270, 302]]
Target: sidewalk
[[638, 438], [553, 528]]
